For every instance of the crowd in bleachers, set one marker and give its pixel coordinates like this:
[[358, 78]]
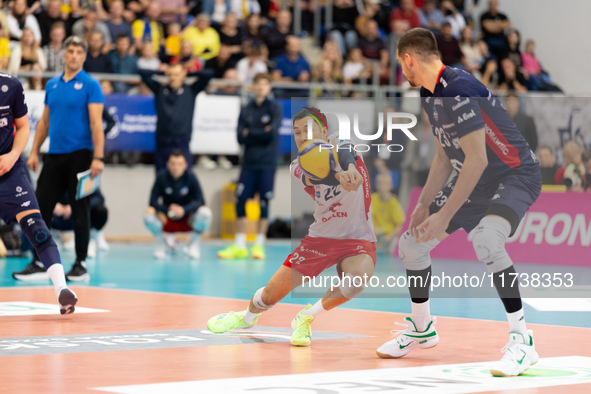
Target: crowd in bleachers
[[239, 38]]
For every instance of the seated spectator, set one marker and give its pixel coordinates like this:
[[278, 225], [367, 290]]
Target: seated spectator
[[356, 68], [254, 35], [473, 58], [276, 35], [404, 18], [134, 9], [173, 11], [82, 8], [222, 62], [19, 19], [548, 165], [123, 62], [116, 24], [374, 48], [232, 37], [96, 60], [449, 47], [488, 70], [216, 10], [538, 78], [572, 174], [251, 65], [53, 51], [454, 17], [525, 124], [512, 49], [28, 57], [387, 213], [4, 42], [431, 17], [510, 79], [172, 45], [493, 25], [149, 29], [187, 58], [149, 59], [343, 27], [244, 8], [326, 74], [177, 205], [50, 15], [90, 23], [230, 75], [292, 66], [330, 52], [205, 40]]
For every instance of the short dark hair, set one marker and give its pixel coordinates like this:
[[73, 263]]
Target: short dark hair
[[121, 36], [419, 42], [312, 112], [177, 153], [260, 76]]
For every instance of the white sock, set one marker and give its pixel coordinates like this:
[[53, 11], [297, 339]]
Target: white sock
[[316, 309], [241, 240], [195, 237], [421, 315], [517, 322], [260, 240], [249, 316], [56, 273]]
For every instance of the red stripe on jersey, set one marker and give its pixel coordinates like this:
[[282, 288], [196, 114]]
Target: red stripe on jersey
[[497, 142], [366, 187]]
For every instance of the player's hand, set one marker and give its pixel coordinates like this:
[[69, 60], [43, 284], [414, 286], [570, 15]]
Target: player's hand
[[351, 179], [432, 227], [7, 162], [418, 216], [177, 211], [33, 162], [96, 168]]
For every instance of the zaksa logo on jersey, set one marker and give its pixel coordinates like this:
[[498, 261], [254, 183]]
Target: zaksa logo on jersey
[[3, 122]]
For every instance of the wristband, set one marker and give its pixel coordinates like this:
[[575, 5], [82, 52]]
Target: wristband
[[99, 158]]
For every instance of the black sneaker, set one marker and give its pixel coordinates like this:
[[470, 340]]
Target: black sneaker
[[32, 272], [67, 300], [78, 272]]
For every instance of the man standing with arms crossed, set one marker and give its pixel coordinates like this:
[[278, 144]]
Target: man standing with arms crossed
[[72, 119]]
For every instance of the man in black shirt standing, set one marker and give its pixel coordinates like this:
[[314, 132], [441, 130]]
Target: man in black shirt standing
[[258, 131], [175, 104]]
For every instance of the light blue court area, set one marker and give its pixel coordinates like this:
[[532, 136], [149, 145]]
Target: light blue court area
[[133, 267]]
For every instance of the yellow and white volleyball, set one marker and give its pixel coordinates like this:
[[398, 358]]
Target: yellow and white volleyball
[[317, 158]]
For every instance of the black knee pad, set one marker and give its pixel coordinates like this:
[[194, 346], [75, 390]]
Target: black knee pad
[[264, 203], [241, 207], [36, 231]]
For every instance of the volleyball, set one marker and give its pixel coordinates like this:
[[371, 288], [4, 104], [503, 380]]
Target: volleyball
[[317, 158]]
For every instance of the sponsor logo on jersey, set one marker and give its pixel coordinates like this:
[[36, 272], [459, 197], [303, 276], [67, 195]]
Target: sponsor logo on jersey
[[168, 190], [4, 88], [3, 122], [26, 204], [335, 214], [438, 101], [4, 107], [435, 114], [460, 104], [20, 192], [265, 118], [78, 85], [184, 191]]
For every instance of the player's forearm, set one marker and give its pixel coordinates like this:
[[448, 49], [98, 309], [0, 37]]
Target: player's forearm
[[98, 139], [21, 137], [472, 170], [438, 175], [40, 136]]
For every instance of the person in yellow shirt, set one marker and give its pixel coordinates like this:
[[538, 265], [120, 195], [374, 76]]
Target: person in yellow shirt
[[387, 213], [206, 41], [172, 46], [149, 29]]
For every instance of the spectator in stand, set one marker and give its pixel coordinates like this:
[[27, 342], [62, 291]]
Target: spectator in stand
[[123, 62], [449, 47], [187, 58], [513, 52], [230, 75], [343, 27], [292, 66], [510, 79], [454, 17], [548, 165], [493, 25], [96, 60], [538, 78], [431, 17], [473, 58], [387, 213], [172, 44], [254, 35], [89, 24], [116, 24], [356, 68], [173, 11], [221, 63], [325, 73], [404, 18], [525, 124], [216, 9], [232, 37], [488, 71], [330, 52], [4, 45], [374, 49], [50, 15], [54, 52], [244, 8], [149, 60], [82, 8], [134, 10], [28, 56], [251, 65], [573, 173], [275, 37], [19, 19], [149, 29], [205, 40]]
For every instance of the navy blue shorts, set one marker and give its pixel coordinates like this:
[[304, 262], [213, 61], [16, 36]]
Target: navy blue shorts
[[510, 198], [253, 181], [16, 193]]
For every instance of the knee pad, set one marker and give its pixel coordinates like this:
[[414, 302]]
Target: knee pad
[[241, 206], [202, 219], [415, 255], [258, 301], [153, 224], [489, 243], [37, 232], [264, 203], [351, 286]]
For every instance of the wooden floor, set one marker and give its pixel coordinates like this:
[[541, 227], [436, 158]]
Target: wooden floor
[[137, 312]]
